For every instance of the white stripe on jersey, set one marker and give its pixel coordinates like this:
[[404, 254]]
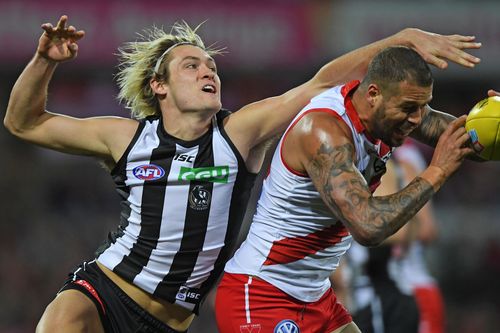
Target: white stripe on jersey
[[216, 232], [143, 147], [170, 233]]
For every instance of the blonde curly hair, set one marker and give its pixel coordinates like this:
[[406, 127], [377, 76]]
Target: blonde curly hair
[[138, 61]]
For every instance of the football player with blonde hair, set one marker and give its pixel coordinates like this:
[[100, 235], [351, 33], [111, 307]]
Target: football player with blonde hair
[[182, 165]]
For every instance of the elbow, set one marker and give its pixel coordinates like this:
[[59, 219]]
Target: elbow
[[15, 128], [15, 122], [11, 127], [7, 123], [368, 238]]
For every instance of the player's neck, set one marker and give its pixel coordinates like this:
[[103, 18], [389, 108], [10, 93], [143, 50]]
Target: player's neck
[[187, 126], [362, 107]]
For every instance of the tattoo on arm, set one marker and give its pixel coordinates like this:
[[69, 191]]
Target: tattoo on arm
[[389, 213], [370, 219], [433, 124], [330, 163]]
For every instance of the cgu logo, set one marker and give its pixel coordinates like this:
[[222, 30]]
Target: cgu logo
[[216, 174], [148, 172]]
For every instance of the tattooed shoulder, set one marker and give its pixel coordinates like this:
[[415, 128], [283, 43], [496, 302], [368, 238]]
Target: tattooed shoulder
[[331, 160]]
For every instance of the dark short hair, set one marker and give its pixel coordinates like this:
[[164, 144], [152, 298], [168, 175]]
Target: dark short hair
[[396, 64]]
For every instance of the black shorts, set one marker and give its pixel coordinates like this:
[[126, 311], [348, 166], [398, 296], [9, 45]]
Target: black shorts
[[389, 312], [118, 312]]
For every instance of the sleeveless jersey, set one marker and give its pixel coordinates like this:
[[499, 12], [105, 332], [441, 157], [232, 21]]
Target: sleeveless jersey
[[182, 206], [295, 241]]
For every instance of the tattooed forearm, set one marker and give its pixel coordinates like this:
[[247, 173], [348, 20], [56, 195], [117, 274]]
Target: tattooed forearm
[[387, 214], [433, 124], [369, 219], [376, 218]]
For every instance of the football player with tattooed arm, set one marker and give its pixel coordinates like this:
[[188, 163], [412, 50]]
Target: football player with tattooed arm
[[318, 196], [182, 166]]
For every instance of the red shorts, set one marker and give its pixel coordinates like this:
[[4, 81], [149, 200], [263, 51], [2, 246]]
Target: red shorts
[[431, 308], [246, 304]]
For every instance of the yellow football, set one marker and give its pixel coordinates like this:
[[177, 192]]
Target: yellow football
[[483, 126]]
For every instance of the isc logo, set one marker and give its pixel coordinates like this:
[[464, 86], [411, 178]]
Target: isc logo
[[183, 158], [148, 172], [184, 294]]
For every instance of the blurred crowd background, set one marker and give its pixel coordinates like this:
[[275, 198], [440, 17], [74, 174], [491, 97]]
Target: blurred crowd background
[[56, 209]]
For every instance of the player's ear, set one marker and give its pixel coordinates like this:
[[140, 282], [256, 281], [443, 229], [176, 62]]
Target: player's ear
[[159, 87], [373, 94]]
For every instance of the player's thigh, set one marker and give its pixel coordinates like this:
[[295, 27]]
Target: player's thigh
[[348, 328], [70, 311]]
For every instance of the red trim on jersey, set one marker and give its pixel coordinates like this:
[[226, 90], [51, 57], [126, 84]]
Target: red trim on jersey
[[348, 87], [384, 149], [330, 111], [351, 111], [292, 249], [91, 290]]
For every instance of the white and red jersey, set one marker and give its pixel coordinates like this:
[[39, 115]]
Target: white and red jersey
[[295, 242]]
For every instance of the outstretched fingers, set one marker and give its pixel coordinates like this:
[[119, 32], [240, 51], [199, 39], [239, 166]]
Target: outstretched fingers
[[435, 60], [59, 43], [456, 53], [61, 24], [452, 48], [61, 31], [464, 42]]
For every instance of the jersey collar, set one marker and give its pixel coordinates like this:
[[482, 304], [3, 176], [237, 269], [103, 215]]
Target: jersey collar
[[347, 91]]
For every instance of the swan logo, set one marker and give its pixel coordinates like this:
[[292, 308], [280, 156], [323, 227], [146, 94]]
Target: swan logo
[[148, 172]]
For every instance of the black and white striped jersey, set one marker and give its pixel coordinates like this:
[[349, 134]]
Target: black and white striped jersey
[[182, 207]]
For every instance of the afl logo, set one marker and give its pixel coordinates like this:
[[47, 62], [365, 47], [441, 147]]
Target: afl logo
[[287, 326], [148, 172]]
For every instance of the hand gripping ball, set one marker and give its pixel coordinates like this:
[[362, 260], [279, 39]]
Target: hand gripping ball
[[483, 126]]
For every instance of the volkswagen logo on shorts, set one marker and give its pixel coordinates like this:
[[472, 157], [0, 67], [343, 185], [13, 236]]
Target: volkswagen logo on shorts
[[287, 326], [148, 172]]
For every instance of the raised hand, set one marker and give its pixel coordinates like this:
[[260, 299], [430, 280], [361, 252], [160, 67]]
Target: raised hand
[[59, 43], [436, 48]]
